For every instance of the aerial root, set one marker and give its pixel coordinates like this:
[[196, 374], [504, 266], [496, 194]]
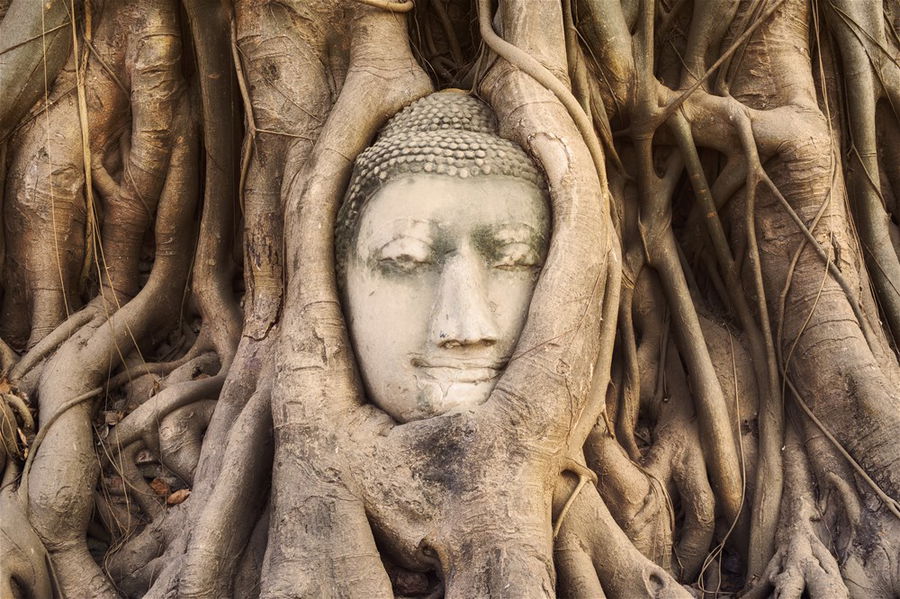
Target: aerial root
[[381, 78], [585, 475], [213, 261], [622, 571], [246, 578], [181, 438], [662, 252], [140, 424], [136, 486], [119, 519], [15, 409], [61, 490], [171, 425], [577, 578], [163, 543], [698, 504], [16, 429], [681, 466], [709, 23], [629, 400], [400, 6], [52, 341], [137, 562], [234, 504], [25, 561]]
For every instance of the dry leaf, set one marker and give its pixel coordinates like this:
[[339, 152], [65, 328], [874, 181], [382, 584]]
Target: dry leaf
[[160, 487], [178, 496]]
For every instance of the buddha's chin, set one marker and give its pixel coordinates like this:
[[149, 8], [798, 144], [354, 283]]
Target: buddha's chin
[[435, 397]]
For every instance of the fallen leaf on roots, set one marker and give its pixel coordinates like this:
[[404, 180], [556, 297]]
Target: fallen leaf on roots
[[178, 496], [160, 487]]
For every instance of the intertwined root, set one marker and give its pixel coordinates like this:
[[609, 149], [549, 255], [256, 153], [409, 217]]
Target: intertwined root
[[802, 565], [685, 417]]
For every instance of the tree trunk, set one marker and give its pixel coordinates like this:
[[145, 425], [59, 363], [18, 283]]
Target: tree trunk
[[705, 395]]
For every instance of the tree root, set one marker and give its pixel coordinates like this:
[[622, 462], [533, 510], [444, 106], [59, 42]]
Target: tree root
[[862, 534], [62, 528], [871, 73], [675, 457], [166, 540], [31, 35], [213, 262], [414, 523], [52, 341], [356, 497], [141, 423], [234, 504], [135, 485], [26, 565], [802, 565], [594, 550], [246, 578], [8, 357], [181, 438], [137, 562], [399, 81]]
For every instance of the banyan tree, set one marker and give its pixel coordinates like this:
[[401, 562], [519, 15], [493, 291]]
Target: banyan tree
[[450, 298]]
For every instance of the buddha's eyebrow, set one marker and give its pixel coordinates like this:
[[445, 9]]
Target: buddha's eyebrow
[[423, 230], [514, 233]]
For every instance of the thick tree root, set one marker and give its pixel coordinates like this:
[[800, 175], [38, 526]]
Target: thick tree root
[[26, 570], [141, 423], [802, 565], [594, 548], [66, 460], [298, 486]]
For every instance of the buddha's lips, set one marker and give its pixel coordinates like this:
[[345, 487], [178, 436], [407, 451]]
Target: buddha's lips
[[459, 371]]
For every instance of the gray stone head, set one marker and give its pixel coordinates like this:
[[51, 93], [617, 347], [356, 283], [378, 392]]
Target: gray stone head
[[438, 245]]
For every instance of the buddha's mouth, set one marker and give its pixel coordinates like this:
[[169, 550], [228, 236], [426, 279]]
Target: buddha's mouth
[[460, 371], [451, 374]]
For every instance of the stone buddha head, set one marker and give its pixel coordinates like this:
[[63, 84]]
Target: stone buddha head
[[439, 243]]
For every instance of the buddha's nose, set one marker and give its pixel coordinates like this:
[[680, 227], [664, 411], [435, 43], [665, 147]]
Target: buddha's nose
[[462, 313]]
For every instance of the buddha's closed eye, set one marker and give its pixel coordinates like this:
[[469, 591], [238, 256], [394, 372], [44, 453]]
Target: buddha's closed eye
[[516, 256], [404, 254]]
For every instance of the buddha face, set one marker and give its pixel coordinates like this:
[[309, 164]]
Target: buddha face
[[438, 283]]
